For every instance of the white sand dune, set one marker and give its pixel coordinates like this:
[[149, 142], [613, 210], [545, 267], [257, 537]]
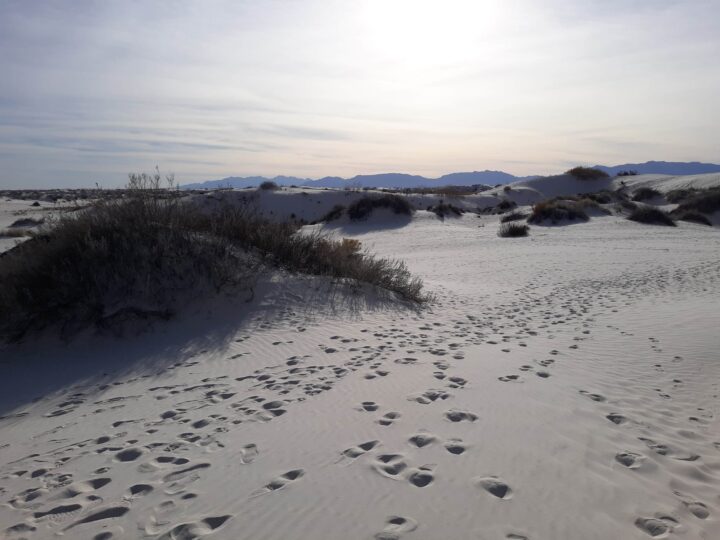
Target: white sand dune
[[562, 386]]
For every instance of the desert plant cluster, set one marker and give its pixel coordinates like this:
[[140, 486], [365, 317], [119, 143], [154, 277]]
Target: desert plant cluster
[[141, 255]]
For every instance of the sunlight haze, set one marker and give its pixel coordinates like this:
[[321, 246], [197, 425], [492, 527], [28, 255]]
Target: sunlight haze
[[93, 90]]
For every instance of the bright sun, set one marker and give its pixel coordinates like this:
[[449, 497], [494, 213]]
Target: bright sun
[[427, 32]]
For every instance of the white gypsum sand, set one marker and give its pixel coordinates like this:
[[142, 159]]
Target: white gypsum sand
[[562, 386]]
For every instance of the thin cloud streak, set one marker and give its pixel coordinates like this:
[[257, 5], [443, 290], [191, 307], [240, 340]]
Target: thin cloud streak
[[92, 90]]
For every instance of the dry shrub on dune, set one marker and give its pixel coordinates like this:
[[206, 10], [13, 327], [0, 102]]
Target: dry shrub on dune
[[651, 216], [362, 208], [513, 230], [139, 255], [587, 173], [556, 211]]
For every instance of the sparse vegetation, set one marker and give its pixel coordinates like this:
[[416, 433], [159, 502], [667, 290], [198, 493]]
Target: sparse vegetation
[[645, 194], [652, 216], [14, 233], [556, 211], [676, 196], [142, 256], [706, 202], [269, 185], [627, 173], [27, 222], [335, 213], [693, 216], [362, 208], [513, 216], [513, 230], [442, 210], [587, 173]]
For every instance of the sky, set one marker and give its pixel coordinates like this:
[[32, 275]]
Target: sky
[[93, 90]]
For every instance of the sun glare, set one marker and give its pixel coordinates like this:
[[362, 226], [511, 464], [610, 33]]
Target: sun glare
[[427, 31]]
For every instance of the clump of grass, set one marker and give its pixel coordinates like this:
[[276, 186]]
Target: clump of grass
[[627, 173], [587, 173], [268, 185], [652, 216], [556, 211], [143, 255], [14, 233], [513, 216], [513, 230], [706, 202], [504, 206], [27, 222], [645, 194], [335, 213], [362, 208], [676, 196], [442, 210], [693, 216]]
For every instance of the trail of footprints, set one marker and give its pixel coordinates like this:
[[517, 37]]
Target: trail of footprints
[[211, 407]]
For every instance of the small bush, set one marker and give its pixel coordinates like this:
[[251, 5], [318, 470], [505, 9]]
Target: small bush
[[627, 205], [362, 208], [141, 255], [587, 173], [507, 189], [269, 185], [513, 216], [627, 173], [652, 216], [333, 214], [706, 202], [504, 206], [676, 196], [601, 197], [14, 233], [443, 210], [693, 216], [27, 222], [645, 194], [556, 211], [513, 230]]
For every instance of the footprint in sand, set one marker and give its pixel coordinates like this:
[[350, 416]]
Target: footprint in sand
[[455, 446], [395, 527], [455, 415], [388, 419], [496, 487], [195, 529], [631, 460], [280, 482], [656, 526], [359, 450], [422, 440]]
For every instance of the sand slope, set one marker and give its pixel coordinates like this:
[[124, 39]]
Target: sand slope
[[563, 386]]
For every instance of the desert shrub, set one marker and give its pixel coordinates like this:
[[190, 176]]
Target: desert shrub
[[626, 205], [676, 196], [14, 233], [362, 208], [587, 173], [505, 205], [601, 197], [140, 256], [443, 210], [507, 189], [269, 185], [335, 213], [556, 211], [513, 216], [706, 202], [652, 216], [627, 173], [27, 222], [513, 230], [692, 215], [645, 193]]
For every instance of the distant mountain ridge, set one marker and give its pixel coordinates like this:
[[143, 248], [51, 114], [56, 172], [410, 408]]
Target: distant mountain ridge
[[401, 180]]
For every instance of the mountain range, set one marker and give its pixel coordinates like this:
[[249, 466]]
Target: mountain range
[[400, 180]]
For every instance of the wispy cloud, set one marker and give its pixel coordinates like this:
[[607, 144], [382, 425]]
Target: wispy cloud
[[94, 89]]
